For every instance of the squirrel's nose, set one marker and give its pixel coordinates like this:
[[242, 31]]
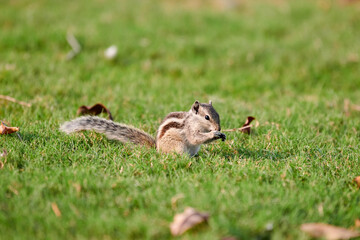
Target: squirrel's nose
[[219, 128]]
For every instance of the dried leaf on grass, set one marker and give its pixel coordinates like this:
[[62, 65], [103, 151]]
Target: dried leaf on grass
[[357, 223], [7, 130], [247, 124], [75, 46], [349, 107], [56, 209], [355, 108], [187, 220], [357, 180], [246, 128], [10, 99], [94, 110], [329, 232]]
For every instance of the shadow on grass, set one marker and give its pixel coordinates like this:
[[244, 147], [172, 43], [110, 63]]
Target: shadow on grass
[[30, 137], [25, 137], [240, 233], [259, 154]]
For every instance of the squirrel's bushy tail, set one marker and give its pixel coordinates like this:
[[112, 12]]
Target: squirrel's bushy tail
[[112, 130]]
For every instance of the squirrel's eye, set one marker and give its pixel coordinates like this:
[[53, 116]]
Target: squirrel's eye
[[207, 117]]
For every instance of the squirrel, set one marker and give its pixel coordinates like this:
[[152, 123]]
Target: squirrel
[[179, 132]]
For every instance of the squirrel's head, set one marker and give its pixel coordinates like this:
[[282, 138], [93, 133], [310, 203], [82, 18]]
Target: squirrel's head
[[206, 115]]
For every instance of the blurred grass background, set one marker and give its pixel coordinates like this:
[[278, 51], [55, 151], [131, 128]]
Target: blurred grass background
[[291, 64]]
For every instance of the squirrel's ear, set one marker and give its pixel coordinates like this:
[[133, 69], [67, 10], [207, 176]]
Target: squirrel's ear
[[195, 107], [210, 102]]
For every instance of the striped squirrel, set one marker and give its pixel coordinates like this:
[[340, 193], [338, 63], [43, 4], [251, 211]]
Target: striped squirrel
[[180, 132]]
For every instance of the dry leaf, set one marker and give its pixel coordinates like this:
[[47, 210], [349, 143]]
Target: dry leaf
[[357, 223], [357, 180], [56, 209], [355, 108], [94, 110], [249, 119], [10, 99], [187, 220], [329, 232], [245, 128], [7, 130], [348, 107]]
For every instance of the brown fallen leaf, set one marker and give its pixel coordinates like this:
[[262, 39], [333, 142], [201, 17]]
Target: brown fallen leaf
[[355, 108], [246, 128], [247, 123], [187, 220], [357, 223], [56, 209], [10, 99], [94, 110], [7, 130], [329, 232], [357, 180], [349, 107]]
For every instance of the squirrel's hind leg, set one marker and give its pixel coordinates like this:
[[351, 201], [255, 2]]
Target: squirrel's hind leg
[[170, 145]]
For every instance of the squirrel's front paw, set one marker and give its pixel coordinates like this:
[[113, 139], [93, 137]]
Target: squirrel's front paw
[[219, 135]]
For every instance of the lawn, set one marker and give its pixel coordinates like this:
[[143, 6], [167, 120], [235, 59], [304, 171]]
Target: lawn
[[290, 64]]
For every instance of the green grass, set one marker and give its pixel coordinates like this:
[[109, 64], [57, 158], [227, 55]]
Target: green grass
[[290, 64]]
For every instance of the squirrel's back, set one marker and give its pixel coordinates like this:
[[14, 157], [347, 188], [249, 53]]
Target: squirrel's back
[[112, 130]]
